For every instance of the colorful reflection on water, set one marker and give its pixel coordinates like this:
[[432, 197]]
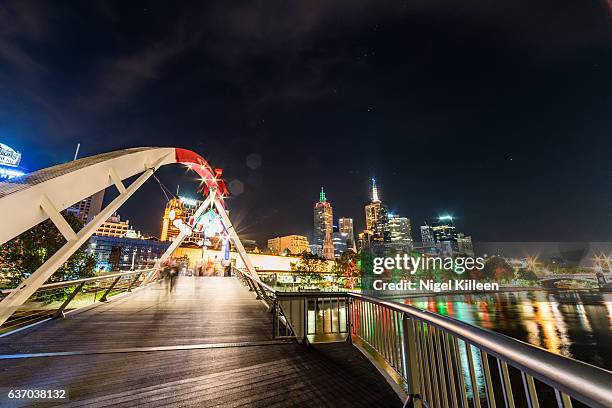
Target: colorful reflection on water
[[571, 323]]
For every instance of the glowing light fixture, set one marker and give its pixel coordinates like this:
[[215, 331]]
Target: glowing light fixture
[[189, 201]]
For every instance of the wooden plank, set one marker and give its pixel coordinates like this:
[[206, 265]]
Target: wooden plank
[[201, 311]]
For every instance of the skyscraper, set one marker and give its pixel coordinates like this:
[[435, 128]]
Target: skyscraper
[[372, 210], [464, 244], [340, 240], [323, 219], [427, 236], [345, 226], [89, 207], [444, 230], [377, 217], [400, 233]]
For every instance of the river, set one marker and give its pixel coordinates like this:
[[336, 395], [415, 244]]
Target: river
[[575, 324]]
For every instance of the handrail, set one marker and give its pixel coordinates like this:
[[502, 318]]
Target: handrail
[[68, 283], [112, 285], [587, 383], [424, 349]]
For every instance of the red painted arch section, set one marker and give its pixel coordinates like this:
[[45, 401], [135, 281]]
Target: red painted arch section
[[211, 177]]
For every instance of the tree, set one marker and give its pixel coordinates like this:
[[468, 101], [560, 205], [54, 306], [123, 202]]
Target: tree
[[526, 274], [347, 266], [23, 254], [311, 265], [366, 266], [496, 268]]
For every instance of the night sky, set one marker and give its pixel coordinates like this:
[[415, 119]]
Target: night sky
[[497, 112]]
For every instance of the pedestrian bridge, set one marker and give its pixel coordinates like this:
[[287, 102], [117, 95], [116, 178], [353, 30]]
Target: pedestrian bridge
[[208, 343]]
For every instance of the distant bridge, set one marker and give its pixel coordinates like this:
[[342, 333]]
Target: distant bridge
[[590, 277]]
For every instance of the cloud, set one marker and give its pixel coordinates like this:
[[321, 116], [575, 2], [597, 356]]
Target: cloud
[[260, 26], [119, 78], [21, 23]]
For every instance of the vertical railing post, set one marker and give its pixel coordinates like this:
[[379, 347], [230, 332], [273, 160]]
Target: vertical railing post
[[103, 298], [258, 290], [60, 312], [274, 318], [129, 289], [410, 356], [348, 319]]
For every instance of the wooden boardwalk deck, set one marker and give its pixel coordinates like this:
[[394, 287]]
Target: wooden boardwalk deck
[[207, 344]]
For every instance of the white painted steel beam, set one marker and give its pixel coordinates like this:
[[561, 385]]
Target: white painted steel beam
[[57, 219], [177, 241], [21, 210], [235, 238], [40, 276]]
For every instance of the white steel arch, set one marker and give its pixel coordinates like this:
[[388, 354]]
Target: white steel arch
[[31, 199]]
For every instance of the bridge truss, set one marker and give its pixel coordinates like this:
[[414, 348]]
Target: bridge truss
[[35, 197]]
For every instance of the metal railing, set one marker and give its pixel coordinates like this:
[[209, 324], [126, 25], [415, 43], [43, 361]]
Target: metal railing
[[447, 363], [281, 326], [441, 361], [52, 300]]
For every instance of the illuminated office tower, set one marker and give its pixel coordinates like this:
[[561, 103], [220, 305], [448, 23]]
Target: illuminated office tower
[[400, 233], [372, 210], [345, 226], [377, 217], [443, 230], [464, 244], [323, 218], [427, 236], [89, 207]]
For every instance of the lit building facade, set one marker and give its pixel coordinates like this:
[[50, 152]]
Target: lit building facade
[[182, 208], [372, 210], [328, 246], [316, 249], [340, 242], [114, 227], [376, 235], [9, 163], [427, 237], [89, 207], [121, 253], [443, 230], [464, 244], [290, 244], [345, 226], [400, 233], [323, 219]]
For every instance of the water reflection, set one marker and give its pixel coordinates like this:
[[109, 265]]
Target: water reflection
[[570, 323]]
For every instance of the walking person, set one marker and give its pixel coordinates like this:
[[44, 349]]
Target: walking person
[[174, 271]]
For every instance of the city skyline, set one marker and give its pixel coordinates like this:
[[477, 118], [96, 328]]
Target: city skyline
[[505, 126]]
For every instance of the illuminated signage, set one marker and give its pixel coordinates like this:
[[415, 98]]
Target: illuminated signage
[[189, 201], [8, 156], [6, 173]]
